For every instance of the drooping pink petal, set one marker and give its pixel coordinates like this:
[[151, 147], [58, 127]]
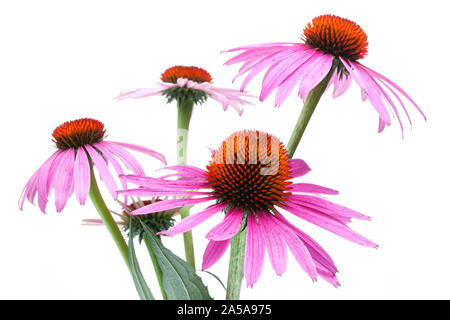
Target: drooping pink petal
[[158, 182], [315, 72], [254, 251], [298, 249], [395, 86], [319, 255], [29, 191], [149, 192], [142, 149], [187, 170], [63, 179], [278, 72], [370, 89], [192, 221], [328, 223], [326, 207], [213, 252], [126, 157], [341, 84], [229, 226], [81, 176], [298, 168], [102, 167], [169, 204], [276, 246], [311, 188], [140, 93], [116, 165]]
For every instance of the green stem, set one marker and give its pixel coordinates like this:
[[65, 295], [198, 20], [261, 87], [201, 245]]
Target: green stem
[[105, 214], [308, 109], [185, 108], [157, 268], [236, 266]]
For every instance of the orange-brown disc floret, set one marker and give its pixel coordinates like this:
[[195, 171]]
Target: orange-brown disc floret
[[337, 36], [77, 133], [250, 170], [196, 74]]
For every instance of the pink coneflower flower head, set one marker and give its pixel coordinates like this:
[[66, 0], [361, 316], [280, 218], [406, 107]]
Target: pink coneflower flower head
[[331, 50], [250, 178], [157, 221], [181, 83], [81, 143]]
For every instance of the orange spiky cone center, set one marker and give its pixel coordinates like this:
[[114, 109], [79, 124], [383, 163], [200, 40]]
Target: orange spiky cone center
[[77, 133], [196, 74], [250, 170], [337, 36]]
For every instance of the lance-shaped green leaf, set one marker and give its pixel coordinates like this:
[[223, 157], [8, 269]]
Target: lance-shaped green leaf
[[179, 279], [139, 281]]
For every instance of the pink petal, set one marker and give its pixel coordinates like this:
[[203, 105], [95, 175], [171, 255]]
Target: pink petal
[[298, 168], [126, 157], [149, 192], [142, 149], [276, 246], [311, 188], [213, 252], [316, 71], [329, 224], [140, 93], [102, 167], [326, 207], [169, 204], [395, 86], [82, 176], [369, 87], [63, 179], [298, 249], [254, 251], [194, 220], [229, 226]]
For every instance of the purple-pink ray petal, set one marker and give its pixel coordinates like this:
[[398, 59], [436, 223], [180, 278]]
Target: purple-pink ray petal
[[158, 182], [311, 188], [395, 86], [328, 223], [194, 220], [298, 249], [228, 227], [326, 207], [142, 149], [126, 157], [254, 251], [276, 246], [315, 72], [63, 179], [169, 204], [81, 176], [140, 93], [298, 168], [213, 252], [102, 167], [369, 89], [149, 192]]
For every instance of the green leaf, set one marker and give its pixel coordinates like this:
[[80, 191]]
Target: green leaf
[[179, 279], [139, 281], [216, 277]]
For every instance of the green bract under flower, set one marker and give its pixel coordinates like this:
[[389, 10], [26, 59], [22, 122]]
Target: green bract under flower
[[158, 221], [183, 94]]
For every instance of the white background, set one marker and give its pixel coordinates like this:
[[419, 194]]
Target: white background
[[62, 60]]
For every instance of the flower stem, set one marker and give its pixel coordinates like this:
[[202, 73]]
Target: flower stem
[[105, 214], [185, 108], [158, 271], [308, 109], [236, 266]]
